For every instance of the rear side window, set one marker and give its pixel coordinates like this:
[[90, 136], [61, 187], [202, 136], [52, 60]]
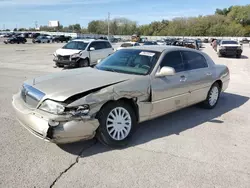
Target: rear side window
[[193, 60], [174, 60]]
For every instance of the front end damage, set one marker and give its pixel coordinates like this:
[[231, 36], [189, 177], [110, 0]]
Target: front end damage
[[54, 128], [79, 120]]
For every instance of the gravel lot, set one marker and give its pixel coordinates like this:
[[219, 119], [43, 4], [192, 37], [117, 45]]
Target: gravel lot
[[189, 148]]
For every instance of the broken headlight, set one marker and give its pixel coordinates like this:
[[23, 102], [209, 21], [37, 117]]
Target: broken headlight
[[80, 110], [76, 55], [52, 107]]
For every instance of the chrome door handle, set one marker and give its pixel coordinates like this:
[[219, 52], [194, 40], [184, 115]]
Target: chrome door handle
[[183, 79], [209, 73]]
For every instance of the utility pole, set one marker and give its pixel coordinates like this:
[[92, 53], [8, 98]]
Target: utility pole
[[108, 23], [35, 25]]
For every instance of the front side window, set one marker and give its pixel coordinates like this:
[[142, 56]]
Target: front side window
[[193, 60], [174, 60], [108, 45], [97, 45], [130, 61]]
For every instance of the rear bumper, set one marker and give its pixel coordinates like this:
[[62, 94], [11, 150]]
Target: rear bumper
[[69, 129]]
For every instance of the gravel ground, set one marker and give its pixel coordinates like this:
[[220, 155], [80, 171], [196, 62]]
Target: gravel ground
[[189, 148]]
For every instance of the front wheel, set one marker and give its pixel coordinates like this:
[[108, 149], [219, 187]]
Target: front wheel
[[212, 97], [117, 123], [83, 63]]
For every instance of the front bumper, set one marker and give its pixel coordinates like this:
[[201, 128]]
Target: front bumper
[[69, 129], [68, 63], [230, 52]]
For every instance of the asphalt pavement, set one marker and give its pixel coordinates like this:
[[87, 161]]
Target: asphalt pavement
[[189, 148]]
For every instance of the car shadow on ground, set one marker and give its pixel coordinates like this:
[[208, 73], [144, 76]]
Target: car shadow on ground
[[234, 57], [167, 125]]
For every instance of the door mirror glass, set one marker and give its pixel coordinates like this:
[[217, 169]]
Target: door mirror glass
[[92, 49], [165, 71]]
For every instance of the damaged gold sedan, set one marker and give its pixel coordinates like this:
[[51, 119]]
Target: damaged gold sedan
[[128, 87]]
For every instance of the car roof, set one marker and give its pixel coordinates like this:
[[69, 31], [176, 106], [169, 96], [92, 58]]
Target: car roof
[[161, 48], [89, 40]]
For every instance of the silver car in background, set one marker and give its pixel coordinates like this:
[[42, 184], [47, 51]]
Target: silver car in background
[[128, 87]]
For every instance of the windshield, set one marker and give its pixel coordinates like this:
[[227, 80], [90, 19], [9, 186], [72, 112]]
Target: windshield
[[76, 45], [130, 61], [229, 42], [126, 45]]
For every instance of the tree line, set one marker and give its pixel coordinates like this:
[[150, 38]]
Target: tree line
[[232, 21]]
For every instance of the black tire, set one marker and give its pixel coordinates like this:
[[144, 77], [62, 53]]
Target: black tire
[[102, 133], [59, 65], [238, 56], [48, 41], [219, 54], [83, 63], [207, 104]]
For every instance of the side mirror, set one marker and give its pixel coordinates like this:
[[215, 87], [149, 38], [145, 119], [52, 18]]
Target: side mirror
[[99, 60], [92, 49], [165, 71]]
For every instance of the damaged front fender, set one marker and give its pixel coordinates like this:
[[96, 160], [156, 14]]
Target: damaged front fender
[[138, 90]]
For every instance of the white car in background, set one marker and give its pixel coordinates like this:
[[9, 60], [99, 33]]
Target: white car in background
[[128, 44], [82, 53], [161, 42]]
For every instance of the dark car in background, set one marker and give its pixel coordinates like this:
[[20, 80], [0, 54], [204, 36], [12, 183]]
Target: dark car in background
[[205, 40], [35, 35], [16, 40], [150, 43], [244, 41], [61, 38]]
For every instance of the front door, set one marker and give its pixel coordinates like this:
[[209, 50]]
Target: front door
[[171, 92], [97, 53]]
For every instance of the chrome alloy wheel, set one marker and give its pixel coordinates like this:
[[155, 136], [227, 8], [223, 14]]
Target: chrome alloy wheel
[[213, 96], [119, 123]]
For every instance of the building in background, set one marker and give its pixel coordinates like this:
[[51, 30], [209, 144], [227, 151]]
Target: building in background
[[54, 24]]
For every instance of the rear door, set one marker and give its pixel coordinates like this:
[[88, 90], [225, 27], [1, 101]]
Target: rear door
[[200, 75]]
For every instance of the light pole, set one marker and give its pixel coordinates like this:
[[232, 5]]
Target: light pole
[[108, 23]]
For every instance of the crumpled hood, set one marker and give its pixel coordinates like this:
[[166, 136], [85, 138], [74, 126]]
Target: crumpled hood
[[62, 85], [64, 52]]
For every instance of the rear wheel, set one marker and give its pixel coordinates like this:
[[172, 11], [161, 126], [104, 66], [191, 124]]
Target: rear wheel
[[238, 56], [117, 123], [84, 63], [212, 96]]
